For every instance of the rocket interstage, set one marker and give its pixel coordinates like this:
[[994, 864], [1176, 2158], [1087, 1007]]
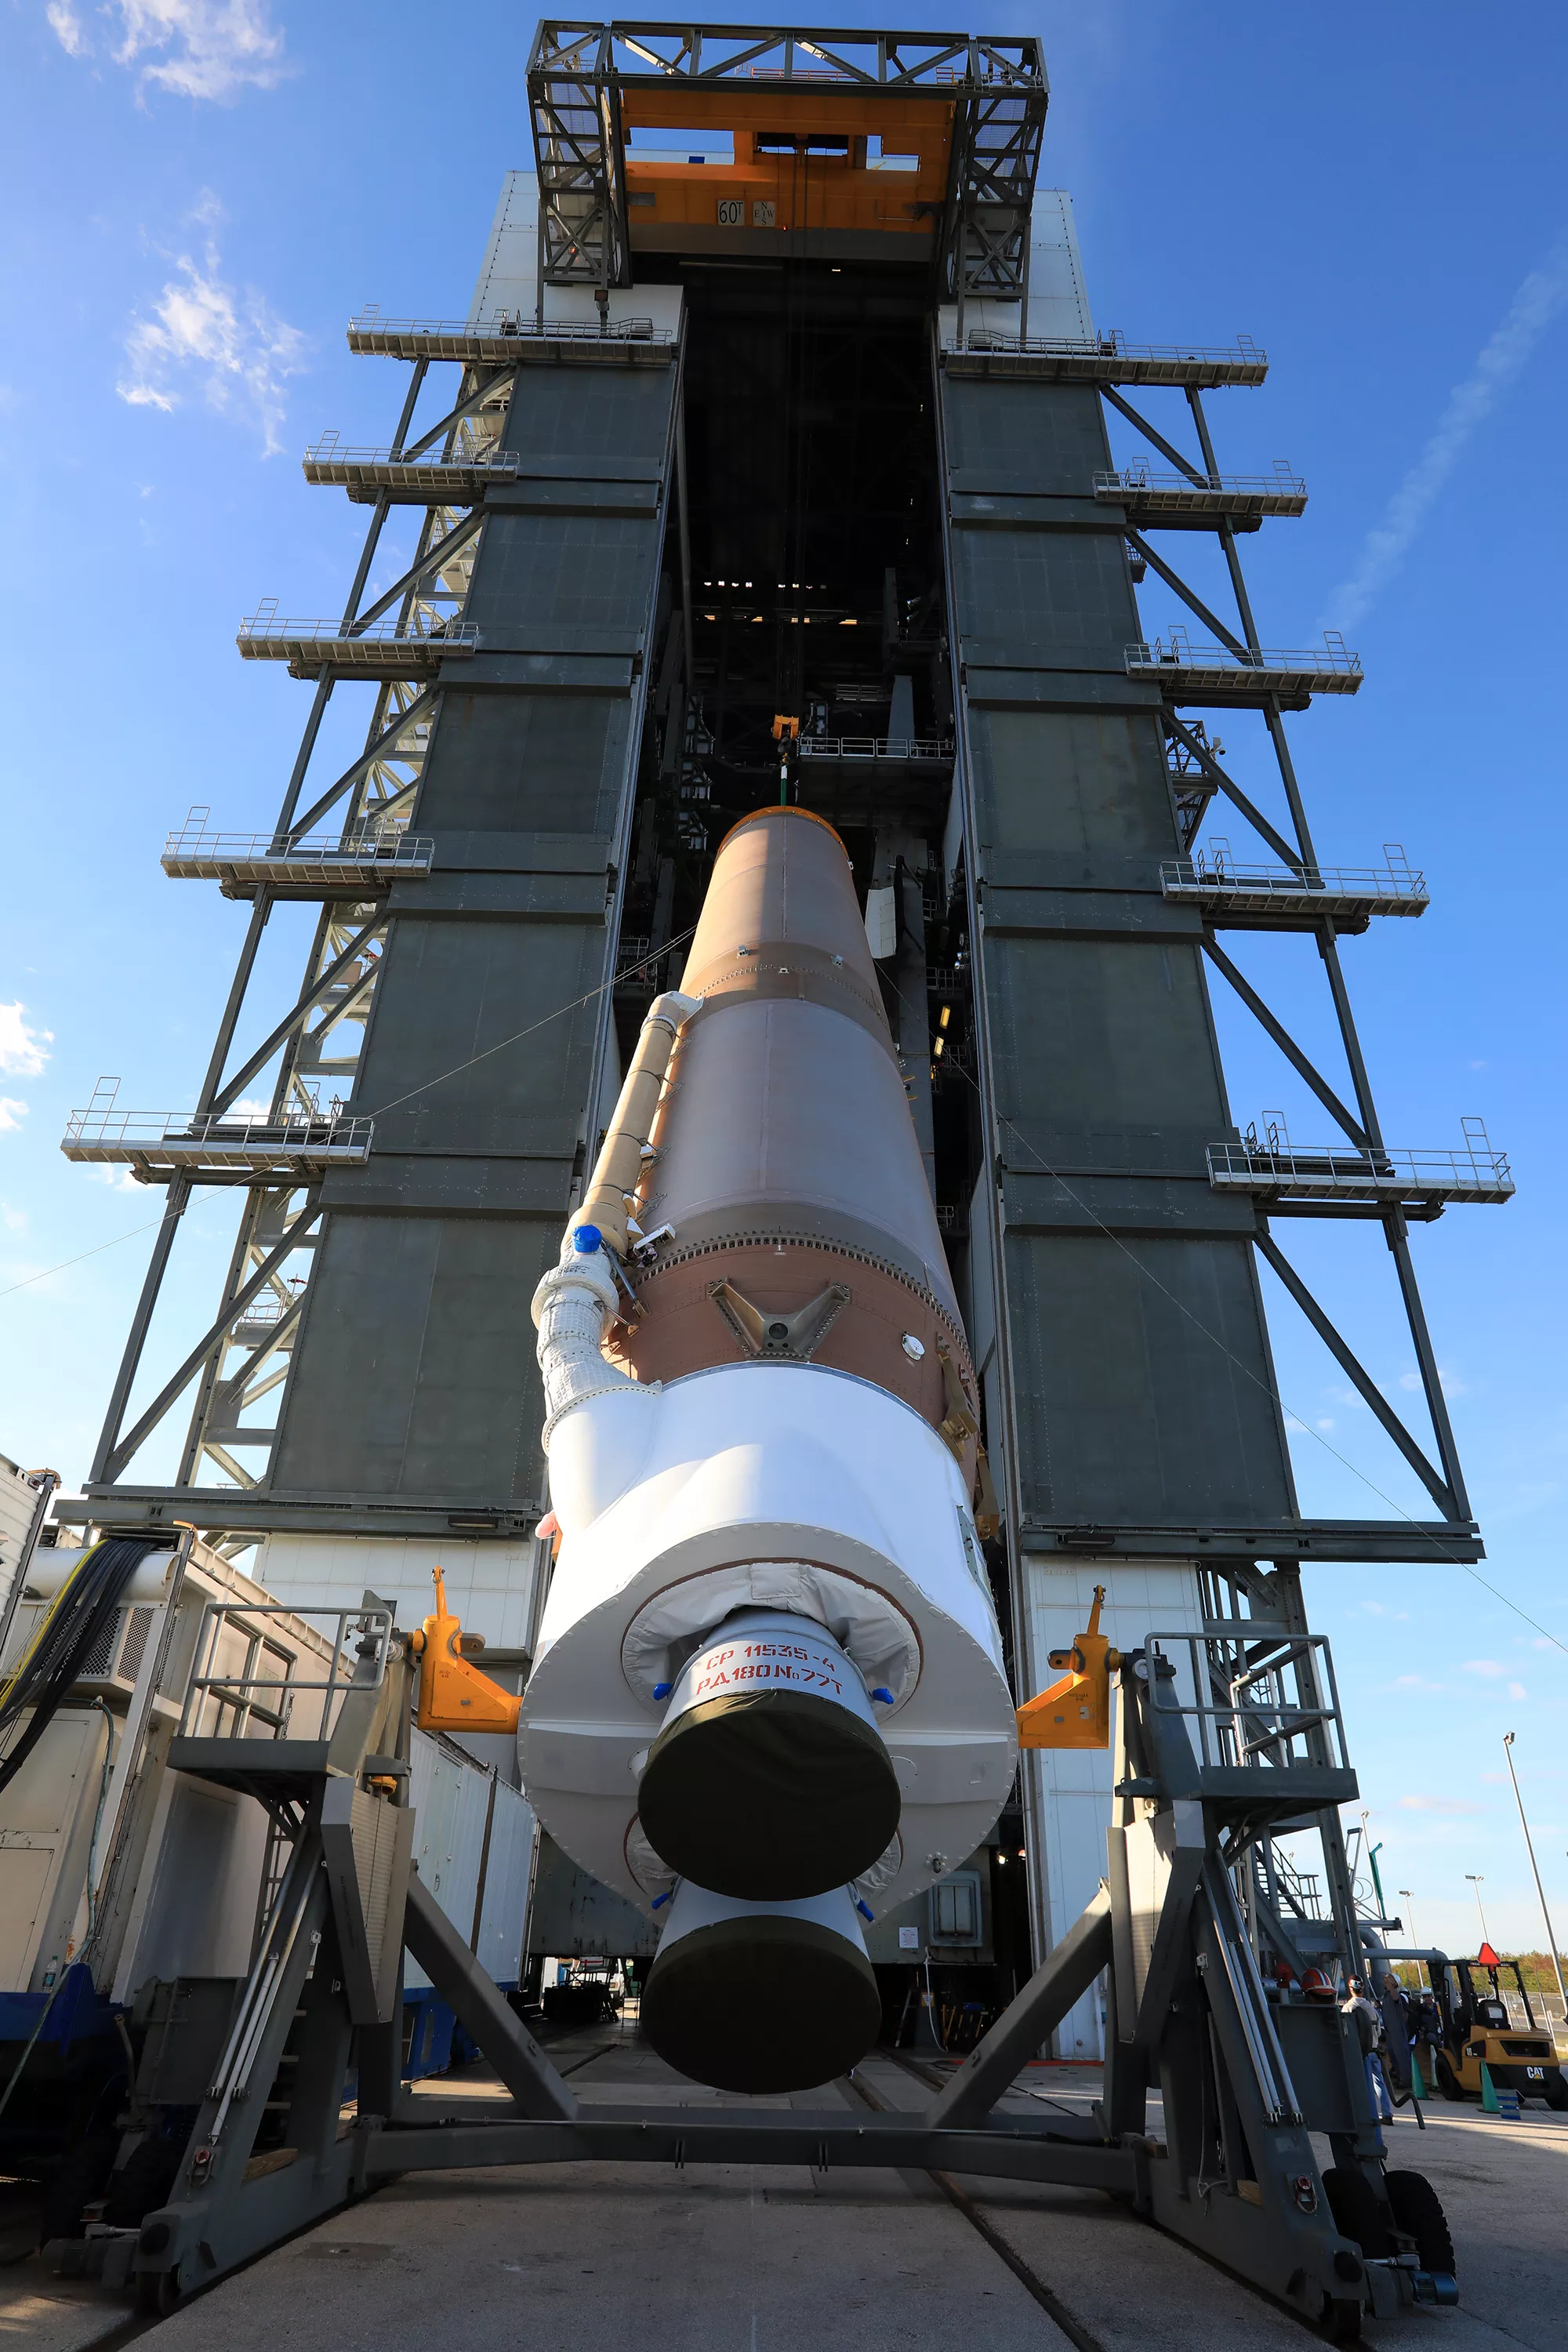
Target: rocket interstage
[[768, 1696]]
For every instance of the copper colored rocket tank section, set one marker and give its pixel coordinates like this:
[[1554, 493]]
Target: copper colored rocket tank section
[[787, 1160]]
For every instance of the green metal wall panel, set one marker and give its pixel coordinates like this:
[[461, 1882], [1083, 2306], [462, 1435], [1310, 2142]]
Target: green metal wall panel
[[1142, 1391], [413, 1377]]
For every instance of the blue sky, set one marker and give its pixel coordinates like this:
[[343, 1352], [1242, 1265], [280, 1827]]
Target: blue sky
[[196, 195]]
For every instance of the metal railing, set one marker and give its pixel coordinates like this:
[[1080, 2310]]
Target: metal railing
[[1329, 662], [1111, 345], [331, 451], [128, 1133], [1274, 1166], [874, 747], [252, 1689], [1141, 482], [1212, 873], [384, 847], [264, 630], [1267, 1706], [514, 325]]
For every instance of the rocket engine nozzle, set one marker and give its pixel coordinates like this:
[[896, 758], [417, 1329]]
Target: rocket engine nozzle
[[754, 1997], [770, 1779]]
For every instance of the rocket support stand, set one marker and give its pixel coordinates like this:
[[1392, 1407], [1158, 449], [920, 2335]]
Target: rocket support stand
[[1243, 2080]]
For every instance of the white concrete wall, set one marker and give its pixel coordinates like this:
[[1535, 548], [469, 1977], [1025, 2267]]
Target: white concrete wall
[[508, 274], [490, 1585]]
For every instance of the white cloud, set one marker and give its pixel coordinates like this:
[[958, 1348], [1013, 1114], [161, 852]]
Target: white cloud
[[234, 347], [1440, 1805], [1517, 1690], [13, 1219], [1538, 302], [196, 48], [12, 1114], [1414, 1682], [23, 1050], [1488, 1668], [1381, 1609], [65, 25], [1448, 1382]]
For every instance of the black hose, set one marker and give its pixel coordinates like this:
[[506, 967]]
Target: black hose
[[65, 1638]]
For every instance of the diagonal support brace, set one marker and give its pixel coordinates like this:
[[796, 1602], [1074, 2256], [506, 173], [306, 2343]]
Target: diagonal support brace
[[1063, 1977], [1289, 1047], [1232, 791], [1365, 1387], [465, 1989]]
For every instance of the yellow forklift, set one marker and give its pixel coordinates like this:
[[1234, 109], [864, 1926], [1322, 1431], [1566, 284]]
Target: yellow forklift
[[1476, 2032]]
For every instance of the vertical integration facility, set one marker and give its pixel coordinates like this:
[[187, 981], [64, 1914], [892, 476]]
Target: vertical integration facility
[[771, 469]]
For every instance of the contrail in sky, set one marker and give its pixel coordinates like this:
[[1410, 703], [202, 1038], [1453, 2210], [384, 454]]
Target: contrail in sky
[[1538, 302]]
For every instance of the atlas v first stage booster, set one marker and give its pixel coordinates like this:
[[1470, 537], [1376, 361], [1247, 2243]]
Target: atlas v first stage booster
[[769, 1696]]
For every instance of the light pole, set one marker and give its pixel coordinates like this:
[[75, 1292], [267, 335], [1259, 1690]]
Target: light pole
[[1405, 1897], [1475, 1877], [1541, 1891]]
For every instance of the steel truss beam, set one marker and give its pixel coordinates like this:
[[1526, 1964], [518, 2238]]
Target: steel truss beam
[[120, 1450], [315, 996], [996, 87], [261, 1308], [1362, 1124]]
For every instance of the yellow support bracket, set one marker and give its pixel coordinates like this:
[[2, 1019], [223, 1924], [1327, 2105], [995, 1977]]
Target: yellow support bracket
[[452, 1695], [1075, 1711]]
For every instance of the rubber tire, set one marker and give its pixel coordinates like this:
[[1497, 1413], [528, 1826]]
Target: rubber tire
[[1555, 2091], [79, 2176], [1358, 2215], [1341, 2320], [158, 2294], [1447, 2081], [143, 2183], [1419, 2212]]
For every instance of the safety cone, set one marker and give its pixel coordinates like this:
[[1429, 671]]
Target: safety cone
[[1488, 2091]]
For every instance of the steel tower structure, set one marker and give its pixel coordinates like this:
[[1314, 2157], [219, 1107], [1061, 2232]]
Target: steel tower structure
[[709, 421]]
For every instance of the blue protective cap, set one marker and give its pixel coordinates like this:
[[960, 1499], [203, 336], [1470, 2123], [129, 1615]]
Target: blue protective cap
[[661, 1898], [865, 1910], [586, 1238], [884, 1695], [662, 1690]]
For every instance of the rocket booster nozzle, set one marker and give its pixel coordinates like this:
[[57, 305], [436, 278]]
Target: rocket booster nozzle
[[770, 1779]]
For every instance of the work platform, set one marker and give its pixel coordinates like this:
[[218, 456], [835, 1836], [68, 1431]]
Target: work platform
[[1102, 360], [1222, 678], [1178, 502], [325, 866], [458, 478], [384, 650], [158, 1145], [1284, 1173], [515, 341], [1273, 898]]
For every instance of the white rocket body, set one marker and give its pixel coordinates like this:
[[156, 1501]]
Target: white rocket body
[[768, 1697]]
